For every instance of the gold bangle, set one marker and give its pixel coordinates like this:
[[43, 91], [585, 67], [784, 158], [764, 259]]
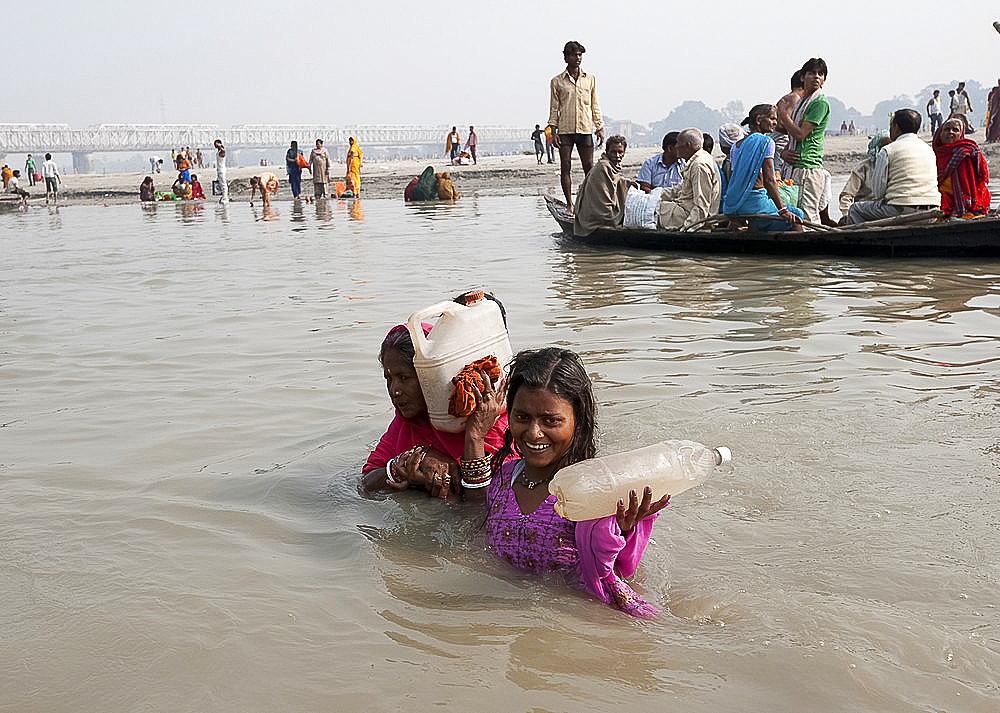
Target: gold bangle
[[476, 462]]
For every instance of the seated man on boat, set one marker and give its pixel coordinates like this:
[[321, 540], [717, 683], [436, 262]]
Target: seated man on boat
[[600, 200], [753, 186], [664, 169], [859, 183], [905, 177], [697, 196]]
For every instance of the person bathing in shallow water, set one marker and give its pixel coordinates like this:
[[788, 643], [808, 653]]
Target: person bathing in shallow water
[[413, 453], [552, 414], [267, 184]]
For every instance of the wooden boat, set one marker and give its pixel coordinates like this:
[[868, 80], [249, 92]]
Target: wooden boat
[[913, 235]]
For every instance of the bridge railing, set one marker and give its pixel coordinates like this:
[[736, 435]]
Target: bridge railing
[[158, 137]]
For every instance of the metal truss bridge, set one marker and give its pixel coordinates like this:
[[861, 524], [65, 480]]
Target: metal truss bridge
[[39, 138]]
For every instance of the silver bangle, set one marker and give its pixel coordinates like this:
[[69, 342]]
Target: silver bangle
[[390, 472], [474, 486]]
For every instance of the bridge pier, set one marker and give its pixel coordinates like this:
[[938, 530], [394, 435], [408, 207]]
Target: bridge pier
[[83, 162]]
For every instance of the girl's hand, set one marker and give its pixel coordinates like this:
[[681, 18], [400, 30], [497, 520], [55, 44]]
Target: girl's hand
[[490, 403], [638, 510]]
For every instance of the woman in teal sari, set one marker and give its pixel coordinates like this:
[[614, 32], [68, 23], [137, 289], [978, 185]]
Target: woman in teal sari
[[753, 189]]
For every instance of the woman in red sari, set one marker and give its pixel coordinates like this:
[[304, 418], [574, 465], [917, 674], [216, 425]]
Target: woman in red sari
[[962, 171]]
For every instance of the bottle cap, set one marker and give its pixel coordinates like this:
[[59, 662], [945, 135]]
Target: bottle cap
[[473, 297], [723, 455]]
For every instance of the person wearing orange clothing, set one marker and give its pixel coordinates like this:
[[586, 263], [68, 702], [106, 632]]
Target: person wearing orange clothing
[[183, 165], [267, 184], [353, 177]]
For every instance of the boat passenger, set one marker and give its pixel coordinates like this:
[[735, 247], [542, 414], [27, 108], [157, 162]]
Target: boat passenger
[[697, 196], [664, 169], [600, 200], [806, 126], [859, 183], [729, 134], [905, 177], [753, 187], [412, 453], [962, 172]]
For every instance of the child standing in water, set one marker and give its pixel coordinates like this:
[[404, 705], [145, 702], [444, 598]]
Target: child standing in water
[[552, 421]]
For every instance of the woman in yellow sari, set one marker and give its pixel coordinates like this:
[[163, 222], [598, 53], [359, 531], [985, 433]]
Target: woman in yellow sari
[[353, 177]]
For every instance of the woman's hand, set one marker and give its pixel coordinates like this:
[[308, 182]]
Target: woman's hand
[[638, 510], [789, 216], [438, 474]]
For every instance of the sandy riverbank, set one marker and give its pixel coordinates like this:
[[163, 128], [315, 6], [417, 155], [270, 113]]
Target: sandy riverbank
[[494, 175]]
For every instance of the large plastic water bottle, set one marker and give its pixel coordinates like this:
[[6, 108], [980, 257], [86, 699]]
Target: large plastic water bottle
[[461, 335], [592, 488]]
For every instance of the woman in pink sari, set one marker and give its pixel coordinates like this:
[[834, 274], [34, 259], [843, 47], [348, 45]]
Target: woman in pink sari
[[414, 454]]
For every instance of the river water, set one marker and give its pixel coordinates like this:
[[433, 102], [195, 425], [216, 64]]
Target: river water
[[189, 393]]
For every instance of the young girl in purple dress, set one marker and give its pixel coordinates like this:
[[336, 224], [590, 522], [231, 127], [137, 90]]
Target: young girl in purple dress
[[551, 411]]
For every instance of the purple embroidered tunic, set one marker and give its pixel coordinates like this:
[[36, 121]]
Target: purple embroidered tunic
[[538, 542], [543, 541]]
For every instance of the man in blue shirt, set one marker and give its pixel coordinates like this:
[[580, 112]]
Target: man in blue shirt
[[662, 170]]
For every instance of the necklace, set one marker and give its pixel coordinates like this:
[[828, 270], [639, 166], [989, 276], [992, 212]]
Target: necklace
[[532, 484]]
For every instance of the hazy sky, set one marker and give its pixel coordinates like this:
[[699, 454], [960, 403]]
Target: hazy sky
[[477, 61]]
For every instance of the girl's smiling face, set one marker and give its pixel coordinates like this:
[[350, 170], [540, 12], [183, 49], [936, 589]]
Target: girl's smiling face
[[542, 426]]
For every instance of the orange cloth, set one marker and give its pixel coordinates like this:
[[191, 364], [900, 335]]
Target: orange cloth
[[269, 182], [463, 398]]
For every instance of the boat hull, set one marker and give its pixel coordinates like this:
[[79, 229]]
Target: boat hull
[[958, 238]]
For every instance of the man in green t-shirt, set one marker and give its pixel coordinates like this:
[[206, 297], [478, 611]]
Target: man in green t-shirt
[[806, 126], [29, 168]]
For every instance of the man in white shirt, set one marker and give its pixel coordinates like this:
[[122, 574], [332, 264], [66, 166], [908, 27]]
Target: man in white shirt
[[963, 106], [905, 177], [50, 172], [934, 111]]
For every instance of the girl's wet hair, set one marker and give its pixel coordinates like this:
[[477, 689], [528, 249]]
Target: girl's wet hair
[[560, 372]]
